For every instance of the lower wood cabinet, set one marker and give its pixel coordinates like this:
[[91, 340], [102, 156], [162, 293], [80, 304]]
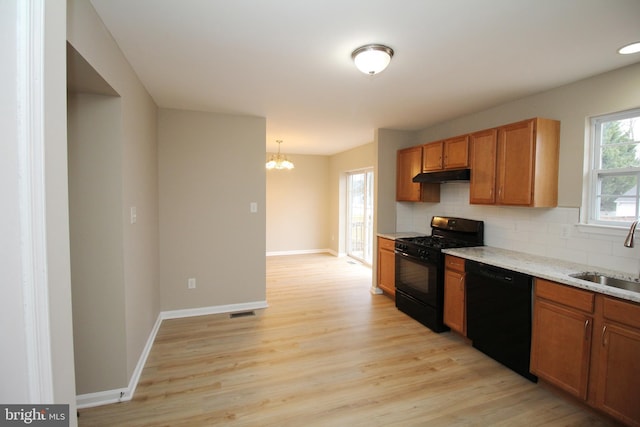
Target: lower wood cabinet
[[561, 336], [454, 314], [617, 387], [589, 346], [386, 266]]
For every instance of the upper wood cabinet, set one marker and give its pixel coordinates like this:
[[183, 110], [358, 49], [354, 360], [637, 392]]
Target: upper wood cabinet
[[452, 153], [483, 147], [432, 156], [409, 164], [526, 164], [456, 152]]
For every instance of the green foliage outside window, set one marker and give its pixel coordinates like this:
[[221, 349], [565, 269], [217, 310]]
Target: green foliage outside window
[[618, 150]]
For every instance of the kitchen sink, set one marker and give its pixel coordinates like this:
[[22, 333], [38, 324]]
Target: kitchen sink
[[603, 279]]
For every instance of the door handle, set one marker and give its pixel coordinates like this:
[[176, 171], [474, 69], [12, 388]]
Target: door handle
[[604, 330]]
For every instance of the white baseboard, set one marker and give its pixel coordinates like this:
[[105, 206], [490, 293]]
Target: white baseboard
[[217, 309], [301, 252], [107, 397], [100, 398]]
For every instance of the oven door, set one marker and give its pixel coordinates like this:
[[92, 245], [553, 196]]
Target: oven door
[[419, 278]]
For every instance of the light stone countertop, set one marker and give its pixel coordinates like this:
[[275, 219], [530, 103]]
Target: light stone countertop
[[545, 268], [394, 236]]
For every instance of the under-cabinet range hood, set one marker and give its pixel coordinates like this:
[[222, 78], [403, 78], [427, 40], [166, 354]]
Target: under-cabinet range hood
[[443, 176]]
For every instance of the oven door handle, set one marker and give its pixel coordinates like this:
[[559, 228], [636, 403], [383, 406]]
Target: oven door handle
[[426, 258]]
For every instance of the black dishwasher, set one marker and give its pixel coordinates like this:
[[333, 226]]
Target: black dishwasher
[[499, 314]]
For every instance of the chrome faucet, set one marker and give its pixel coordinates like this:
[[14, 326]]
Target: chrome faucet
[[628, 242]]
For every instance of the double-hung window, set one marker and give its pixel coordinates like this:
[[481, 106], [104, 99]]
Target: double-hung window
[[615, 172]]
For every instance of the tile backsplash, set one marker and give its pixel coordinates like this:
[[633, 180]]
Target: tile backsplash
[[550, 232]]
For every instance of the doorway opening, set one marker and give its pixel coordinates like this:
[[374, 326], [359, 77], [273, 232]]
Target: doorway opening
[[359, 235]]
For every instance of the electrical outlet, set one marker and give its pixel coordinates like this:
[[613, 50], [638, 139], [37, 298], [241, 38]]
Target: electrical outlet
[[191, 283], [565, 230]]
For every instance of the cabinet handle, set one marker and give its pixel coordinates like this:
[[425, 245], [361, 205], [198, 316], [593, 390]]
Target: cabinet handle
[[604, 330], [586, 329]]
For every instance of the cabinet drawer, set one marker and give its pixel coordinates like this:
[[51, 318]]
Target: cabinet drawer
[[387, 244], [624, 312], [566, 295], [454, 263]]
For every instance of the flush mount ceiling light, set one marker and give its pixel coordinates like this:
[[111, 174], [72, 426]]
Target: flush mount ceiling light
[[630, 48], [372, 58], [279, 161]]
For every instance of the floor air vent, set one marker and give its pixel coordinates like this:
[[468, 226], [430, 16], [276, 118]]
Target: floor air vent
[[242, 314]]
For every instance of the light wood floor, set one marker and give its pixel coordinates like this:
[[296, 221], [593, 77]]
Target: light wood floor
[[327, 353]]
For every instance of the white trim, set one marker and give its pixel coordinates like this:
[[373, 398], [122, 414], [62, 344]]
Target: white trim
[[594, 171], [107, 397], [90, 400], [301, 252], [608, 230], [216, 309], [133, 382], [100, 398], [35, 285]]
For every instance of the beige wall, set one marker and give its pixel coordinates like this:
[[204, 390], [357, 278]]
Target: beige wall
[[298, 206], [94, 127], [141, 304], [387, 143], [211, 168], [306, 206]]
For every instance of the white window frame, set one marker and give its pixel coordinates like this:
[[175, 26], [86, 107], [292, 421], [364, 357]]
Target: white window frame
[[595, 171]]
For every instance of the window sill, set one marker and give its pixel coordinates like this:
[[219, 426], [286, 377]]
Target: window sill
[[608, 230]]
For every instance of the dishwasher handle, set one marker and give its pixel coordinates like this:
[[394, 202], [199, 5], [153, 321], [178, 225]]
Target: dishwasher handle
[[497, 274]]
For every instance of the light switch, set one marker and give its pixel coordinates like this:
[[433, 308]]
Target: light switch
[[253, 207], [134, 215]]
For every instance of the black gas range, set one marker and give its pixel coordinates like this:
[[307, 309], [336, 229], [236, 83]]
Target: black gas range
[[420, 267]]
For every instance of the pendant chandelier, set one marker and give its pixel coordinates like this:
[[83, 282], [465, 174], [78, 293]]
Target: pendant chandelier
[[279, 161]]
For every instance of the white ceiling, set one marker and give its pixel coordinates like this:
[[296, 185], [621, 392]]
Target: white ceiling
[[290, 60]]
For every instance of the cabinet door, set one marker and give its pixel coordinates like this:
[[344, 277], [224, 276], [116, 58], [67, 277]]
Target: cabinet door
[[516, 146], [483, 167], [409, 164], [456, 152], [386, 266], [454, 301], [432, 156], [618, 388], [561, 347]]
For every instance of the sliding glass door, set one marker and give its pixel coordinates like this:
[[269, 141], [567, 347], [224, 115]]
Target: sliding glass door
[[360, 215]]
